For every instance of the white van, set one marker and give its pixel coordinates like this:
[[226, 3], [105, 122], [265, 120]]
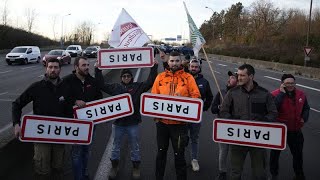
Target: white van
[[74, 50], [24, 55]]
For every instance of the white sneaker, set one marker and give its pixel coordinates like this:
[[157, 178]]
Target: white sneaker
[[195, 165]]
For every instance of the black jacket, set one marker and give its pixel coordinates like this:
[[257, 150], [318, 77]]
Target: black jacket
[[205, 91], [87, 91], [217, 102], [48, 100], [257, 104], [134, 88]]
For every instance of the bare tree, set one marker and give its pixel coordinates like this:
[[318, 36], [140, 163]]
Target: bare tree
[[5, 13], [83, 33], [31, 16]]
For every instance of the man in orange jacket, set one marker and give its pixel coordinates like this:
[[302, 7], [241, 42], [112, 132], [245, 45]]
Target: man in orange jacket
[[174, 82]]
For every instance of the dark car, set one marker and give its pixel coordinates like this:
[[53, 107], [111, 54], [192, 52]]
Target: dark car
[[90, 51], [62, 55], [186, 50]]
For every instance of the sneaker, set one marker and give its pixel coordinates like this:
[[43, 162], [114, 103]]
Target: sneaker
[[222, 176], [195, 165]]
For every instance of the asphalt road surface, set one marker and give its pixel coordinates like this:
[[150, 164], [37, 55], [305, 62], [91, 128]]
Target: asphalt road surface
[[16, 157]]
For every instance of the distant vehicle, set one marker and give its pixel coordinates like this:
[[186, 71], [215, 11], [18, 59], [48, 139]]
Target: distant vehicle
[[91, 51], [62, 55], [24, 55], [186, 50], [168, 49], [155, 48], [74, 50]]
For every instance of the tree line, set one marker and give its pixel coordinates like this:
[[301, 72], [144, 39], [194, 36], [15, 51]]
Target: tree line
[[263, 31]]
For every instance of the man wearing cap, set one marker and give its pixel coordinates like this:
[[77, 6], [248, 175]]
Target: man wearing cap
[[207, 97], [293, 111], [173, 82], [185, 63], [215, 109], [248, 101], [127, 125]]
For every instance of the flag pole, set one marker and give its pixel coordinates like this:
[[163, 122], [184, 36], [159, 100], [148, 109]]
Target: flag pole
[[214, 76]]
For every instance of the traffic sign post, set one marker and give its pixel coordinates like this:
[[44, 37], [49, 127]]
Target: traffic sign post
[[250, 133], [307, 50]]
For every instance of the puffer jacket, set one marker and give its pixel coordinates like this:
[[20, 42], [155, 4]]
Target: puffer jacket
[[256, 105], [179, 83]]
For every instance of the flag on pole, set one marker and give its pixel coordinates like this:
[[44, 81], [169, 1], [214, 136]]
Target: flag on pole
[[196, 38], [127, 33]]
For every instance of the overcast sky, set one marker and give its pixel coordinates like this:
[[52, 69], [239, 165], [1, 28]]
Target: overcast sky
[[159, 18]]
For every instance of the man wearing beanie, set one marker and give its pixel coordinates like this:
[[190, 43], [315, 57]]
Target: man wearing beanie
[[293, 111], [127, 125]]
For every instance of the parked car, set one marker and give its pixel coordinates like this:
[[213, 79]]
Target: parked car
[[74, 50], [24, 55], [90, 51], [62, 55], [186, 50]]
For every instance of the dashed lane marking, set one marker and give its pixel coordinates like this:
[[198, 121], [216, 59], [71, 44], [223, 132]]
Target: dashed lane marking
[[2, 72], [217, 72], [315, 110], [3, 93], [222, 65], [307, 87], [7, 100], [28, 67]]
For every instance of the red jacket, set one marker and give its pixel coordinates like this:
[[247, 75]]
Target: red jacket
[[290, 110]]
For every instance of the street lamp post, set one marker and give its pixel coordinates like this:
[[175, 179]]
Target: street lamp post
[[306, 58], [212, 21], [62, 38]]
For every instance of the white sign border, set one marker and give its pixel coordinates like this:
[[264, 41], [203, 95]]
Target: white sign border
[[255, 123], [55, 141], [126, 66], [167, 97], [108, 99]]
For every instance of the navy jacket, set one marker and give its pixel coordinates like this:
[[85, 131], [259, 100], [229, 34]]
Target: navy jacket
[[205, 91]]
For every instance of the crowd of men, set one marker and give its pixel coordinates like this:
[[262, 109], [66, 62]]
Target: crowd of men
[[242, 99]]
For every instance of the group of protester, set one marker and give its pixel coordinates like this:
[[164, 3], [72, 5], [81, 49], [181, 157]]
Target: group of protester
[[242, 99]]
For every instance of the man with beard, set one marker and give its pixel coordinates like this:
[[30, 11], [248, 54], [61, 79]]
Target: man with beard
[[248, 101], [215, 109], [174, 82], [206, 96], [50, 97], [85, 88], [293, 110]]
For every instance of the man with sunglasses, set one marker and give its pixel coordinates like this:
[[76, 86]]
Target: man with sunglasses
[[207, 97], [293, 111], [127, 125], [174, 82]]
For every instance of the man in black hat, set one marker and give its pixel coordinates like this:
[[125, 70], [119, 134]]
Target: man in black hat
[[293, 111], [215, 109]]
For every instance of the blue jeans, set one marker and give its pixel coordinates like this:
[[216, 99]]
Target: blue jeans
[[194, 129], [133, 137], [80, 155]]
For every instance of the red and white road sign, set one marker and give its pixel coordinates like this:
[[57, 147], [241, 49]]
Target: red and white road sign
[[250, 133], [119, 58], [106, 109], [47, 129], [307, 50], [171, 107]]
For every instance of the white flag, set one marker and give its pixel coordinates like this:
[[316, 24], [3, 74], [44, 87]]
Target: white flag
[[196, 37], [127, 33]]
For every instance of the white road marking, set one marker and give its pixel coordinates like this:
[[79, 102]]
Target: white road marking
[[222, 65], [7, 100], [217, 72], [28, 67], [315, 110], [5, 128], [236, 68], [307, 87], [41, 76], [2, 72], [3, 93], [105, 164]]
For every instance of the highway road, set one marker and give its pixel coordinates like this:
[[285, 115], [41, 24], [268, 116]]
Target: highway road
[[16, 157]]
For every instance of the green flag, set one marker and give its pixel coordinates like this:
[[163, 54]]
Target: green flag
[[196, 38]]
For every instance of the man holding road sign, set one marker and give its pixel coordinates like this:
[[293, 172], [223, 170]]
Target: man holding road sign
[[174, 82], [248, 101]]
